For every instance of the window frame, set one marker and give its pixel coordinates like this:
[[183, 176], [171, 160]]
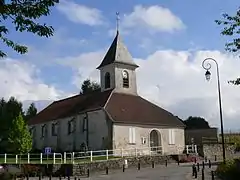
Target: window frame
[[125, 80], [107, 80], [54, 129], [43, 130]]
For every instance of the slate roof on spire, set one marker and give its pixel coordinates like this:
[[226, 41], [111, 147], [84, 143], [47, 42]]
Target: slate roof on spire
[[117, 53]]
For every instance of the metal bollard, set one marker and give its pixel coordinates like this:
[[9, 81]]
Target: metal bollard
[[193, 170], [107, 170], [198, 167], [138, 165], [152, 164], [212, 173], [209, 164], [166, 163], [123, 168], [40, 176], [88, 172], [203, 178], [215, 157]]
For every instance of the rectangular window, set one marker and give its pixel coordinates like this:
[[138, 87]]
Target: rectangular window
[[132, 135], [54, 129], [84, 125], [171, 136], [43, 130], [70, 126], [144, 140]]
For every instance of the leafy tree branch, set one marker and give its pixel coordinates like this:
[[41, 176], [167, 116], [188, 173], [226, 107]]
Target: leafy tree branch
[[24, 15]]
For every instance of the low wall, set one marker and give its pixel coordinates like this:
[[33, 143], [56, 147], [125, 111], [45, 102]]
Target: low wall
[[81, 169], [212, 150]]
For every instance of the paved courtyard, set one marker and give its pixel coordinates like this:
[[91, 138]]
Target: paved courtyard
[[172, 172]]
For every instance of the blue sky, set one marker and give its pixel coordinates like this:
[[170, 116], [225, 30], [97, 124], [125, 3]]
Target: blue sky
[[157, 33], [198, 17]]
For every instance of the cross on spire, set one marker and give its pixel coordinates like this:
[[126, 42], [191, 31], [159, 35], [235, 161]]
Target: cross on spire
[[117, 20]]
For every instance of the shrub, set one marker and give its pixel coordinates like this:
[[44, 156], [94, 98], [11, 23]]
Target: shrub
[[31, 170], [230, 170]]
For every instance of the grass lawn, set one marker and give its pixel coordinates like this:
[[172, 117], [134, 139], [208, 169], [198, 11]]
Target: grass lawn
[[49, 160]]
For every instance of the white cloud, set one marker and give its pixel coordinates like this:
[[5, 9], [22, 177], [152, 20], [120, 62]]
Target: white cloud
[[175, 80], [182, 85], [84, 65], [154, 18], [20, 79], [78, 13]]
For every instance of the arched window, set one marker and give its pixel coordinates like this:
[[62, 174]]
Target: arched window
[[125, 79], [107, 80]]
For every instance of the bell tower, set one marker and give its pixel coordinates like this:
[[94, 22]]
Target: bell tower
[[117, 70]]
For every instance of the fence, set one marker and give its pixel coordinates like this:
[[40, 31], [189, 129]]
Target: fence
[[82, 157]]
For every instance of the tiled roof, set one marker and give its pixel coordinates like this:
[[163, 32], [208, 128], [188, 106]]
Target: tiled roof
[[123, 108], [70, 106]]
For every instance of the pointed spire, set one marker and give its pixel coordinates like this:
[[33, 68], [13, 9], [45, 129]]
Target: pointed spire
[[118, 53]]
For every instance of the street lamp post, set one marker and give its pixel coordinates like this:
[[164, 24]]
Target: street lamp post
[[207, 66]]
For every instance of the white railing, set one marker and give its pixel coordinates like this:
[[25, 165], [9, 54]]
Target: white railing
[[88, 156], [191, 149]]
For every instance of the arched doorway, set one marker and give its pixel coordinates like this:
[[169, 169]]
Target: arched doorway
[[155, 141]]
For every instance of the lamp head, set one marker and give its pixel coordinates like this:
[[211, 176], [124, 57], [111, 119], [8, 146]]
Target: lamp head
[[208, 75]]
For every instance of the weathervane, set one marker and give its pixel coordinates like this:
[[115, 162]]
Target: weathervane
[[117, 20]]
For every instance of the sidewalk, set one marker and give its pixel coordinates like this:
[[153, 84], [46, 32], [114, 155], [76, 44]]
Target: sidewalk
[[207, 174]]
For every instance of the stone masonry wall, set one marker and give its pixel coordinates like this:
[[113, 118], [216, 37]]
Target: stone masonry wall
[[81, 169], [212, 150]]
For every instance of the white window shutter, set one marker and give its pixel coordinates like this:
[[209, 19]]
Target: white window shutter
[[173, 136], [130, 135], [133, 135], [170, 136]]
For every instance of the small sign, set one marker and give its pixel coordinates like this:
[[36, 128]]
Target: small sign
[[47, 150]]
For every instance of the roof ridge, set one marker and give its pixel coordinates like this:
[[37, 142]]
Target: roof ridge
[[108, 99], [74, 96]]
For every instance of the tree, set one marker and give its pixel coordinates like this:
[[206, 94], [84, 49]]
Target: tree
[[31, 112], [9, 110], [231, 28], [24, 16], [19, 140], [88, 86], [196, 123]]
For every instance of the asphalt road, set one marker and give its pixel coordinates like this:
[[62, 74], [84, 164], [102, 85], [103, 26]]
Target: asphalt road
[[172, 172]]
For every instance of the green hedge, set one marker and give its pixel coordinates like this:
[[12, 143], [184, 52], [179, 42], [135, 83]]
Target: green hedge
[[230, 170]]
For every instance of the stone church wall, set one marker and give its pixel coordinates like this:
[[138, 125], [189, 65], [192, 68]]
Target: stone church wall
[[121, 139]]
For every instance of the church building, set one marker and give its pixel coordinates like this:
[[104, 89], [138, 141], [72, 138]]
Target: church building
[[112, 118]]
